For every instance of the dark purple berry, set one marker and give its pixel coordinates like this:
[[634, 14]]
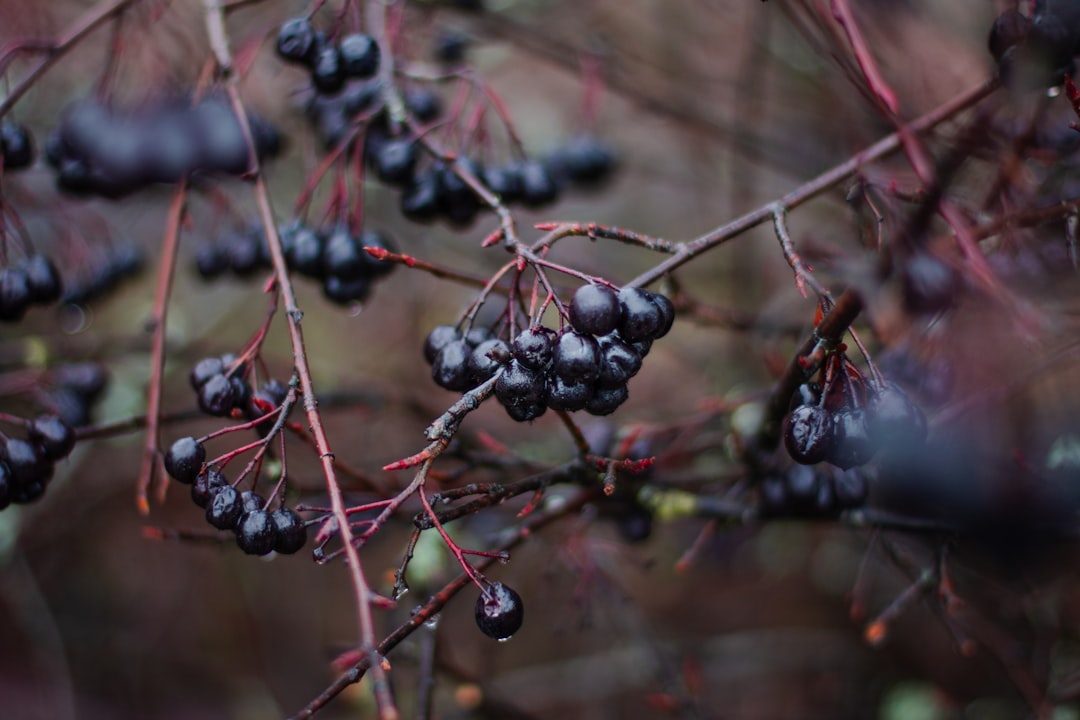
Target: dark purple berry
[[450, 47], [184, 460], [809, 434], [204, 370], [587, 160], [15, 295], [538, 187], [225, 508], [619, 361], [607, 400], [327, 74], [1009, 29], [345, 291], [43, 279], [359, 55], [577, 357], [667, 313], [7, 485], [251, 501], [217, 396], [852, 444], [533, 348], [296, 41], [242, 251], [451, 367], [88, 379], [566, 395], [486, 359], [423, 104], [206, 486], [211, 260], [305, 255], [803, 483], [499, 611], [16, 145], [478, 334], [255, 533], [634, 523], [594, 309], [639, 316], [395, 161], [504, 181], [437, 339], [343, 257], [422, 197], [27, 463], [290, 533], [526, 412], [521, 391], [53, 436]]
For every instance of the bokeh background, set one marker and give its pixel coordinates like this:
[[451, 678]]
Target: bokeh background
[[715, 107]]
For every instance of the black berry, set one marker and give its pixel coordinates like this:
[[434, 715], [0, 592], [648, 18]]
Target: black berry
[[359, 55], [499, 611], [566, 395], [206, 486], [327, 73], [486, 359], [577, 357], [255, 533], [533, 347], [437, 339], [594, 309], [225, 508], [451, 367], [296, 41], [16, 145], [290, 533], [809, 434], [184, 460], [639, 317], [53, 436], [607, 400], [43, 279], [619, 361], [217, 396]]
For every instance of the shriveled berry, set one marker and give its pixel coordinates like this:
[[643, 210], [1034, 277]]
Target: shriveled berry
[[533, 347], [359, 55], [566, 395], [290, 533], [225, 508], [255, 533], [43, 279], [184, 459], [217, 396], [594, 309], [486, 359], [53, 436], [206, 485], [577, 357], [607, 400], [639, 316], [499, 611], [451, 367], [809, 434], [619, 361], [437, 339], [296, 41], [521, 391]]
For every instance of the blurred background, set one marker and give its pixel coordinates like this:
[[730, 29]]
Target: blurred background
[[714, 107]]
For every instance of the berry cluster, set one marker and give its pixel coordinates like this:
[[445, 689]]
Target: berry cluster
[[335, 258], [220, 385], [103, 273], [802, 491], [16, 145], [585, 367], [331, 64], [76, 387], [99, 150], [847, 422], [26, 466], [1037, 51], [500, 611], [258, 531], [32, 280]]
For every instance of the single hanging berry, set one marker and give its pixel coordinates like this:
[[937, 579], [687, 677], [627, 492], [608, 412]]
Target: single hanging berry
[[499, 611]]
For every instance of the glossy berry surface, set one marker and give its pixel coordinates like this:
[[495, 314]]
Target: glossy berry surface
[[296, 40], [290, 533], [522, 391], [576, 357], [533, 347], [204, 370], [206, 485], [809, 434], [54, 437], [538, 187], [184, 459], [255, 533], [486, 359], [225, 508], [217, 396], [26, 462], [499, 611], [852, 444], [359, 55], [566, 395], [437, 339], [619, 361], [594, 309], [639, 317], [327, 74], [451, 367], [43, 279], [607, 400]]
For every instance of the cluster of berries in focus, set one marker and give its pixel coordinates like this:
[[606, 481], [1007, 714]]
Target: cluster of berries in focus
[[586, 366], [335, 258], [847, 420], [258, 530], [100, 150], [26, 466], [223, 391]]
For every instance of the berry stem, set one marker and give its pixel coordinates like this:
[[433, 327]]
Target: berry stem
[[156, 324]]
